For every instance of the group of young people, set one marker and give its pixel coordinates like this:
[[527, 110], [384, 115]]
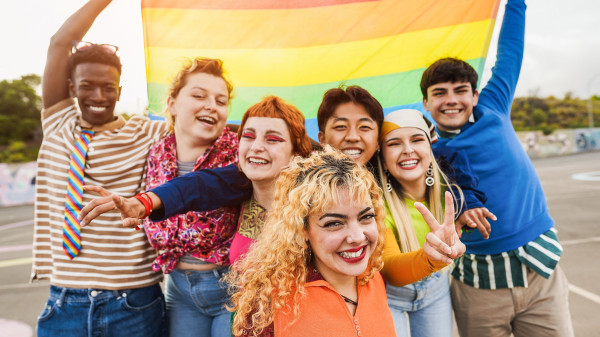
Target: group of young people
[[263, 232]]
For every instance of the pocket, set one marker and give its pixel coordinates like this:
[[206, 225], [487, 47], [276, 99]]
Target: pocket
[[142, 299], [48, 311]]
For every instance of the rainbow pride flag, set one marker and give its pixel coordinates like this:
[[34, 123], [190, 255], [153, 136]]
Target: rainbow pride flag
[[297, 49]]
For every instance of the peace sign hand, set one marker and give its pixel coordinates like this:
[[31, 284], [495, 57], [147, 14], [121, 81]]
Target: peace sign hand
[[442, 243]]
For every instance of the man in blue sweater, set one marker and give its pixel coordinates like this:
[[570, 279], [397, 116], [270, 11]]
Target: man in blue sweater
[[510, 282]]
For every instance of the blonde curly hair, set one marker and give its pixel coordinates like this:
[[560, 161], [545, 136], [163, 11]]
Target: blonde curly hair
[[274, 271]]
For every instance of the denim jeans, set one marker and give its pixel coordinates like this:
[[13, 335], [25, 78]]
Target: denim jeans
[[196, 303], [72, 312], [426, 303]]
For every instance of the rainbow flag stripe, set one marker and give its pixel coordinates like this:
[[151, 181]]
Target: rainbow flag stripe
[[297, 49]]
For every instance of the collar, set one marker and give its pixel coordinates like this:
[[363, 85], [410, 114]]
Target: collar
[[117, 123], [448, 134]]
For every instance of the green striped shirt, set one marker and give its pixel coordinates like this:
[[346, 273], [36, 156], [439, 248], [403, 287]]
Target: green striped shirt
[[508, 269]]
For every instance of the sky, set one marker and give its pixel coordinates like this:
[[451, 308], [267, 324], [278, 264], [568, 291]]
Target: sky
[[562, 44]]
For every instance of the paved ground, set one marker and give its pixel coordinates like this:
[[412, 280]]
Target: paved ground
[[572, 185]]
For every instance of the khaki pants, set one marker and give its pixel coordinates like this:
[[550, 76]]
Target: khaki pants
[[542, 309]]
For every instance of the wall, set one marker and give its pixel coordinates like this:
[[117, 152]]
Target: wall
[[17, 183], [560, 142]]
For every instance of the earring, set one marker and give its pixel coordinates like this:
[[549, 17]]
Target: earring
[[307, 253], [388, 184], [429, 181]]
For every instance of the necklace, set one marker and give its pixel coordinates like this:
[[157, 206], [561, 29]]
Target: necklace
[[346, 299]]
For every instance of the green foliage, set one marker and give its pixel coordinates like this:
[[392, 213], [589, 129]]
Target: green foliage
[[551, 113], [20, 125]]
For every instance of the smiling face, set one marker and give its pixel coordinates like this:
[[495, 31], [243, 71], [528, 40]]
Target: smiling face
[[200, 108], [407, 155], [451, 104], [265, 148], [96, 87], [343, 237], [352, 131]]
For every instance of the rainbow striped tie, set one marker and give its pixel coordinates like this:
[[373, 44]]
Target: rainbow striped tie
[[71, 228]]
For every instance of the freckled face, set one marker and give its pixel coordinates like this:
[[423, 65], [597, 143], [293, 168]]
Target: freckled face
[[200, 108], [343, 237]]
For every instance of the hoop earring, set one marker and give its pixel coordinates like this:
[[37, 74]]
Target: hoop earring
[[429, 181], [388, 184]]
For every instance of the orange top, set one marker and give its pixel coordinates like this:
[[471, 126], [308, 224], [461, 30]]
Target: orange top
[[323, 312], [400, 269]]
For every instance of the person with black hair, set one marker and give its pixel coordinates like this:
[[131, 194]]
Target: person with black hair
[[101, 278]]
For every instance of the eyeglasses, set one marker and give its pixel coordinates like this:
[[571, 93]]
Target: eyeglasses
[[83, 46]]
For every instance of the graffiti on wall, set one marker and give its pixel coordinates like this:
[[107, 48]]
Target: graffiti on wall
[[560, 142], [17, 183]]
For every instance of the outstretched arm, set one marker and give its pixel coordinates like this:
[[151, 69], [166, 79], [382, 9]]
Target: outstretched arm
[[55, 84], [201, 190]]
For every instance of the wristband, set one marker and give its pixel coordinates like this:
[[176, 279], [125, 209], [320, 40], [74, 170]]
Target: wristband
[[147, 202]]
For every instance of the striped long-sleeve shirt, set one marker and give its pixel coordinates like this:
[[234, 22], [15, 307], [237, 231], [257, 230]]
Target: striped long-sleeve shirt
[[111, 257], [508, 269]]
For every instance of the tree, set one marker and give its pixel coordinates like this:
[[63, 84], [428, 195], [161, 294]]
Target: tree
[[20, 108]]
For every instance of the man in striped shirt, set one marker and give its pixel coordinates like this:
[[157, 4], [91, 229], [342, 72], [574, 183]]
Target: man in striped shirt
[[108, 288], [511, 281]]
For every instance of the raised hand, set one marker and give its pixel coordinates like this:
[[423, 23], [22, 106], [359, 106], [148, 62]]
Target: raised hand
[[442, 243], [132, 210], [476, 218]]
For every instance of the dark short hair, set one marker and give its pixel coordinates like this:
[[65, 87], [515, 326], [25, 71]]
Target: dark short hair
[[448, 70], [94, 54], [355, 94]]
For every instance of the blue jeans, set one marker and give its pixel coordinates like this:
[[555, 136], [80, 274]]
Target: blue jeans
[[196, 303], [427, 304], [72, 312]]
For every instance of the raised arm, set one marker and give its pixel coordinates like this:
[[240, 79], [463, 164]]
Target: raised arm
[[500, 89], [55, 85]]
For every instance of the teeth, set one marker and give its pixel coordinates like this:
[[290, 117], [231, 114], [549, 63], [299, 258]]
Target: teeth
[[207, 119], [352, 153], [257, 161], [409, 163], [453, 111], [97, 108], [349, 255]]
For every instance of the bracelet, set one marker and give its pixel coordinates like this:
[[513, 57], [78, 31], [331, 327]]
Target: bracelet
[[146, 201]]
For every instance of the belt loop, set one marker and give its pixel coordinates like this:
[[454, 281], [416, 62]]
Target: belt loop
[[61, 297], [216, 272]]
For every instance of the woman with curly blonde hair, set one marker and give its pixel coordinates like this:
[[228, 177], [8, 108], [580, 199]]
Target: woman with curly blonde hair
[[315, 268]]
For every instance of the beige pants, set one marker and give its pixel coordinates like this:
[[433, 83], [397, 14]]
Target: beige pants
[[542, 309]]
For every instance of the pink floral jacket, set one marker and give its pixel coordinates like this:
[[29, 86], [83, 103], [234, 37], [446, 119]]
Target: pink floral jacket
[[204, 235]]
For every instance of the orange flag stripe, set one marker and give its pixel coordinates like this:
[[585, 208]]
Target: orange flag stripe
[[238, 29]]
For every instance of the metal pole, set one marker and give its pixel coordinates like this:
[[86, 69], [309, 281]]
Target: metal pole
[[590, 103]]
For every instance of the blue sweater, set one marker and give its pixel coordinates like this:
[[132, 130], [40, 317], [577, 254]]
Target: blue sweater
[[506, 174]]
